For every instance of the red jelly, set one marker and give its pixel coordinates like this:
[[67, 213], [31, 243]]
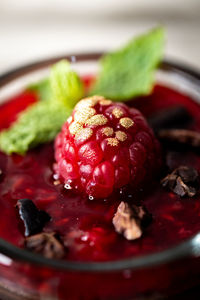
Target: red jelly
[[86, 226]]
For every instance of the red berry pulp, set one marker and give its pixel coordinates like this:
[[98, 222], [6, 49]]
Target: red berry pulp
[[104, 146], [86, 226]]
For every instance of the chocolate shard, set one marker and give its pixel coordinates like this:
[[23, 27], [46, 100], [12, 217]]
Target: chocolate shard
[[47, 244], [130, 220], [181, 136], [183, 181], [33, 218], [172, 117]]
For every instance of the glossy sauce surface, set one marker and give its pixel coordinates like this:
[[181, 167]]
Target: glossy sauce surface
[[86, 226]]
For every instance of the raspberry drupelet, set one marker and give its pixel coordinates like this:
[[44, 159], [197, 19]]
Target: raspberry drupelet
[[105, 146]]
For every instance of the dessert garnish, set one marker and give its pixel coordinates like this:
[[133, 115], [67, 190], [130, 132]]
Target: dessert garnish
[[130, 220], [33, 218], [47, 244], [128, 72], [183, 181], [125, 74], [182, 136], [171, 117], [41, 122], [104, 146]]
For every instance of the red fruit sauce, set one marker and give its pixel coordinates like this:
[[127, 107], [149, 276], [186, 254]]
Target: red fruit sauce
[[86, 226]]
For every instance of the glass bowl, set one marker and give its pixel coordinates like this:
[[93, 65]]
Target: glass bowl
[[25, 275]]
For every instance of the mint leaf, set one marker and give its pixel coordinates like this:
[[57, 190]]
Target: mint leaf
[[42, 88], [129, 72], [66, 85], [41, 122], [63, 85], [38, 124]]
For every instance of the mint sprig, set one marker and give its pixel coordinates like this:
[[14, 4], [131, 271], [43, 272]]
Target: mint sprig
[[42, 88], [38, 124], [41, 122], [66, 85], [129, 71]]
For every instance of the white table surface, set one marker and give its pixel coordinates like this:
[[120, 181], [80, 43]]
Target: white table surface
[[31, 30]]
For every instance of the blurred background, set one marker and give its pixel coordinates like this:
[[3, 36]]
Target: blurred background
[[42, 28]]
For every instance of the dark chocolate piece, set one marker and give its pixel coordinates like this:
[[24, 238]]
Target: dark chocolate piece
[[47, 244], [33, 218], [183, 136], [172, 117], [183, 181], [130, 220]]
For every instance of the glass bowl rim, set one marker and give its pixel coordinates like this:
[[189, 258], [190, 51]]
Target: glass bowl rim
[[190, 247]]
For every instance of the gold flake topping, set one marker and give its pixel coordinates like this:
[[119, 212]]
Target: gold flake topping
[[121, 136], [84, 134], [107, 131], [117, 112], [112, 142], [126, 122], [88, 102], [75, 127], [69, 120], [97, 120], [105, 102], [83, 104], [81, 116], [97, 98], [56, 182]]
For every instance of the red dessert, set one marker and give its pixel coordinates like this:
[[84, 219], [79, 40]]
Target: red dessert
[[84, 226], [105, 146]]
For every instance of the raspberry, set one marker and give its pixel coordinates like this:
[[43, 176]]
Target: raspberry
[[105, 146]]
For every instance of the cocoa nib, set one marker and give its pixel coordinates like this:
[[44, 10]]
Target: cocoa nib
[[172, 117], [47, 244], [130, 220], [33, 218], [183, 136], [183, 181]]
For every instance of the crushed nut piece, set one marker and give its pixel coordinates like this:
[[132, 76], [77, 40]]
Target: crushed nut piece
[[130, 220], [126, 122], [183, 181], [182, 136], [47, 244]]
